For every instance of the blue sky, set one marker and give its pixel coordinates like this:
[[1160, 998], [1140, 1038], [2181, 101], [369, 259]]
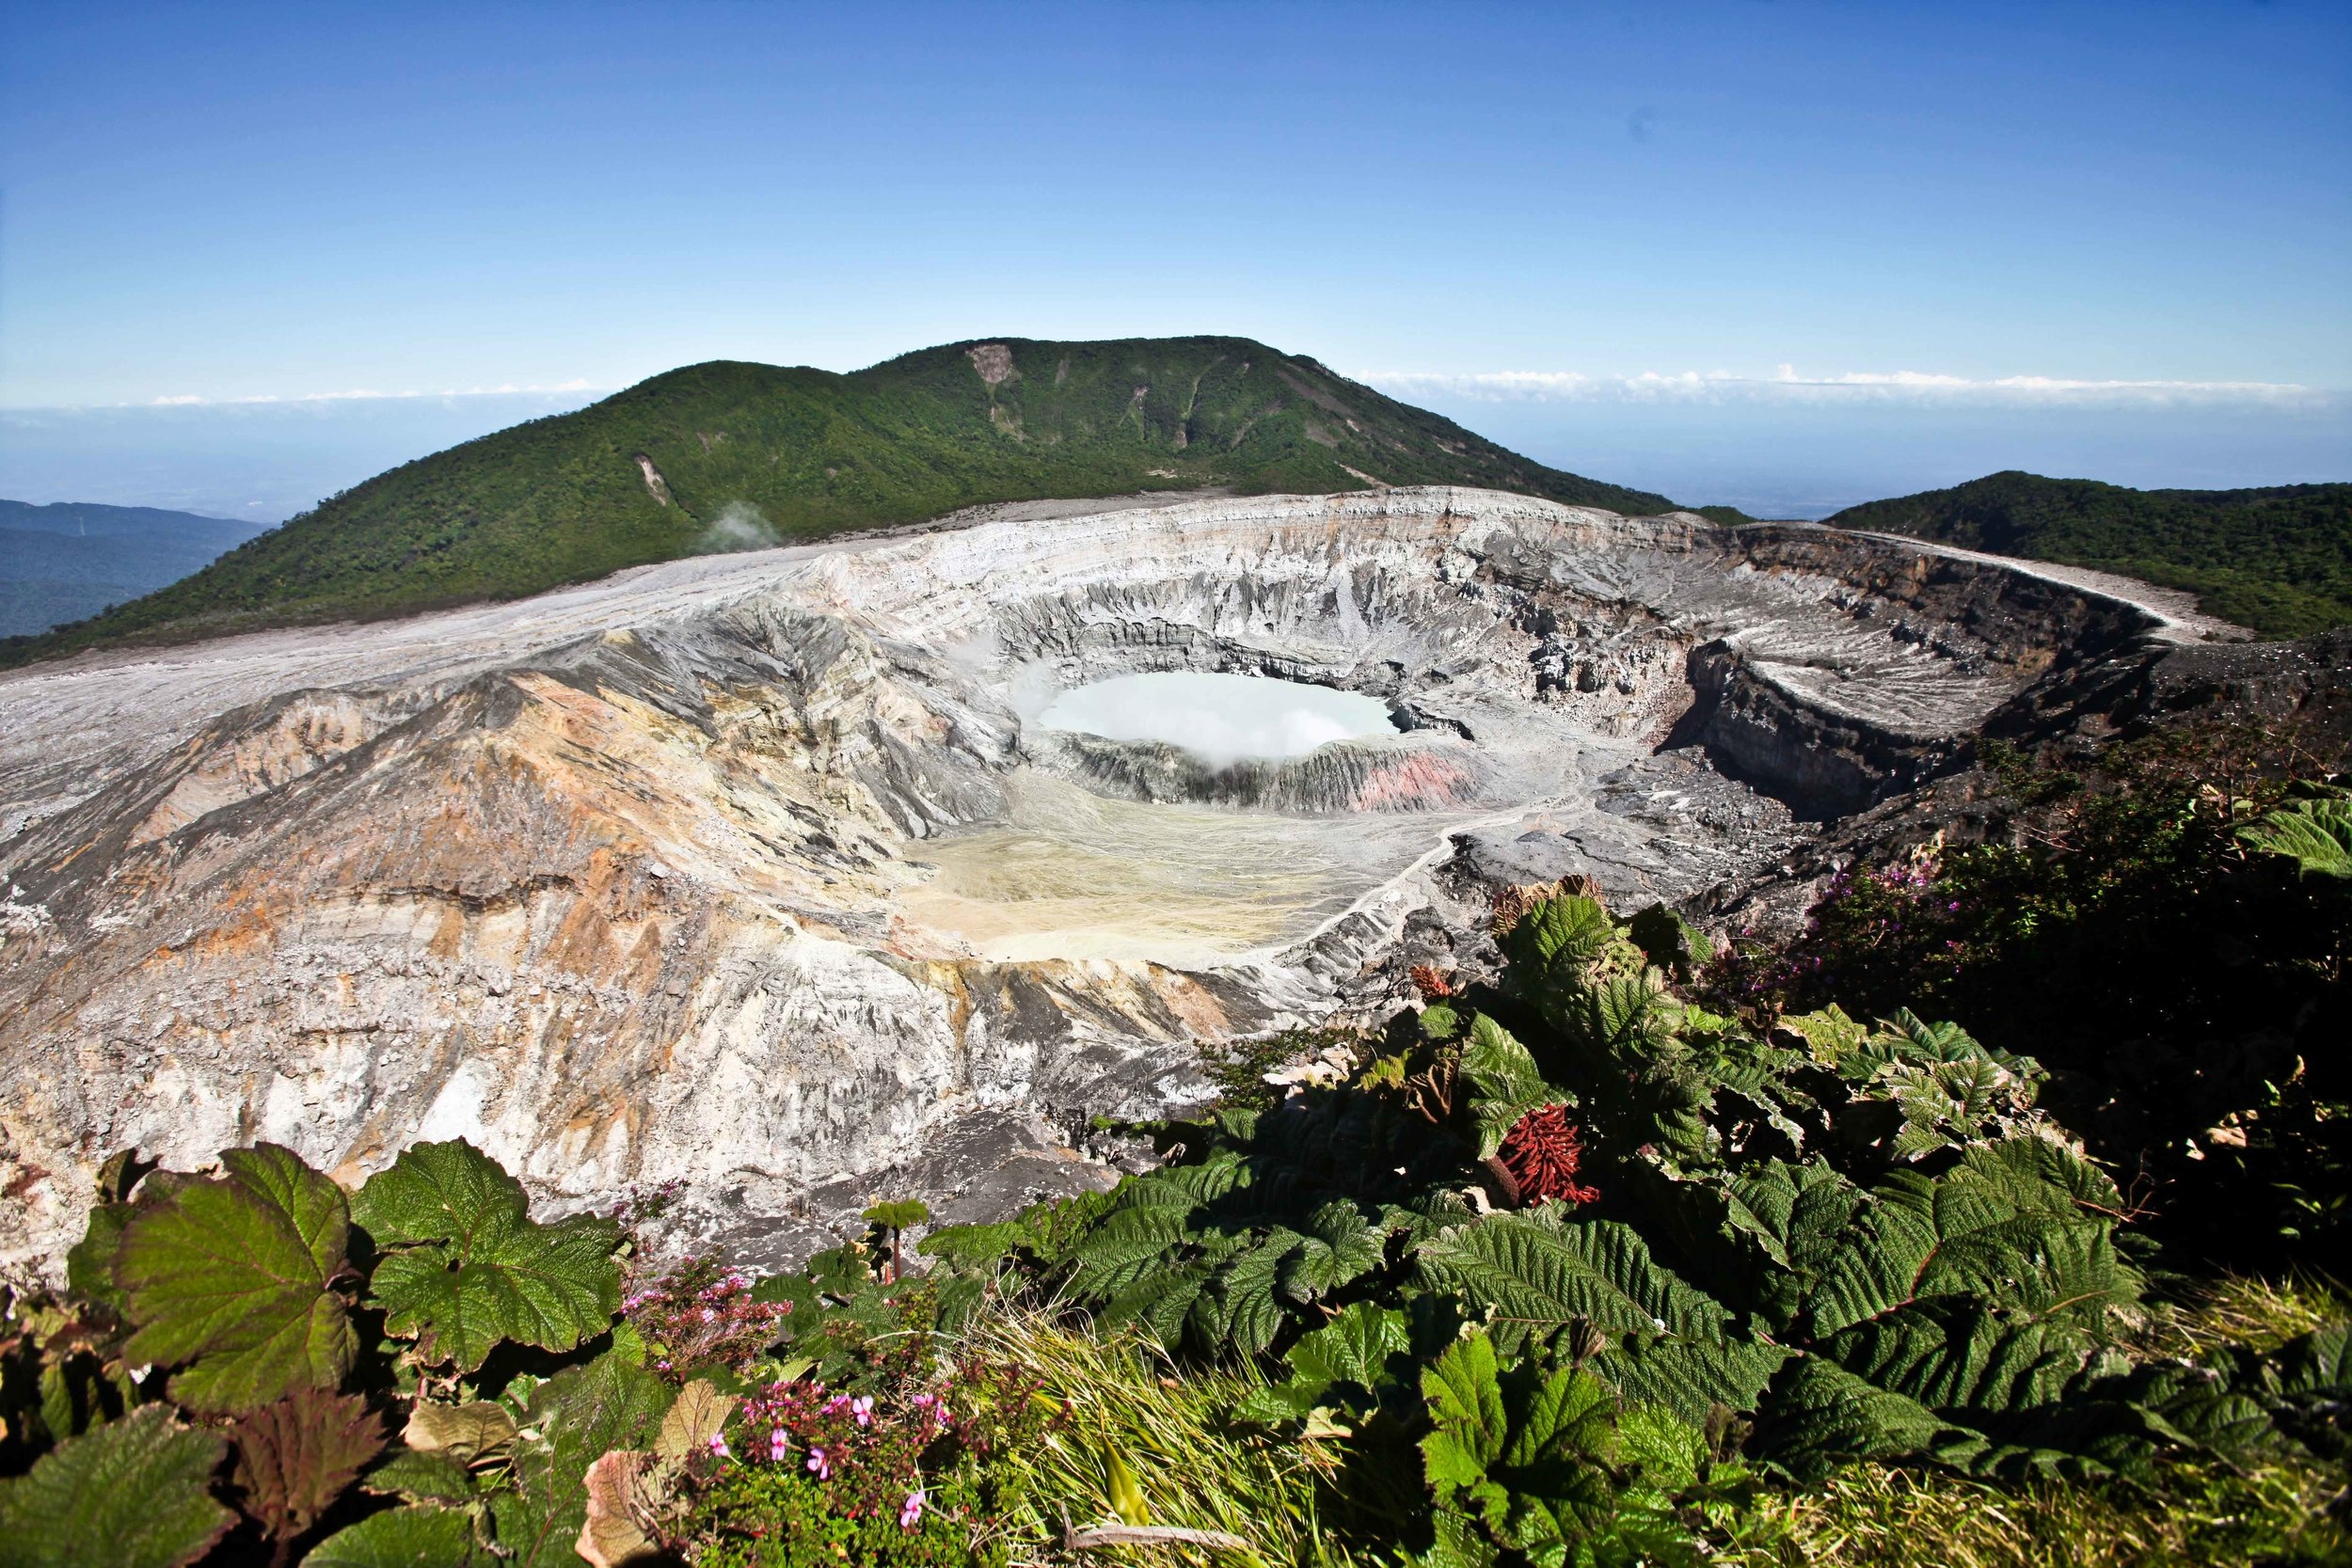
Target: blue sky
[[1747, 250]]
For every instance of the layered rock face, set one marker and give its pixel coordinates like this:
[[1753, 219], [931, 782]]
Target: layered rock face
[[755, 873]]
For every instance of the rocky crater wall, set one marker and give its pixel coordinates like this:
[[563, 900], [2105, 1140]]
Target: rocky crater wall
[[757, 872]]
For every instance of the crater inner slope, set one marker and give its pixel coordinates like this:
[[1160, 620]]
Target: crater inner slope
[[756, 872]]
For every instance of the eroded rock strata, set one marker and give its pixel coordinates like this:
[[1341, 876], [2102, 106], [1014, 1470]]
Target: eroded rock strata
[[754, 873]]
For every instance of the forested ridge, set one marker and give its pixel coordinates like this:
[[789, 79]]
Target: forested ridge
[[728, 454], [2276, 558]]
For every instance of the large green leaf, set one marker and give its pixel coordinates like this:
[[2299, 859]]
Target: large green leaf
[[1964, 1360], [1464, 1391], [1792, 1217], [1560, 933], [1504, 1082], [1352, 1352], [574, 1417], [422, 1535], [231, 1277], [1338, 1247], [1823, 1416], [2013, 1225], [2315, 833], [1538, 1274], [464, 1266], [1526, 1454], [1691, 1377], [131, 1495]]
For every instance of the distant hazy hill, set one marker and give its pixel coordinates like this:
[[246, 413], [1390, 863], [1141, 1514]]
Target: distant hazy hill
[[721, 455], [67, 560], [2277, 559]]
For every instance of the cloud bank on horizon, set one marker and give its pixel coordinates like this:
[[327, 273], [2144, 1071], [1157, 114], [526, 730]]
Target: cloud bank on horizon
[[1788, 385]]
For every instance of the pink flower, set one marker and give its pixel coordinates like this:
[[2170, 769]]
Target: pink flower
[[719, 1447], [863, 1408], [911, 1514], [819, 1463], [778, 1446]]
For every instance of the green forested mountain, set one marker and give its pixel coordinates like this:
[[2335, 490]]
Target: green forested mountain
[[2277, 559], [710, 456]]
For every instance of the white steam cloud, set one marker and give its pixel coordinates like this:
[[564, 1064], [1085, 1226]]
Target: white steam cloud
[[739, 526], [1220, 719]]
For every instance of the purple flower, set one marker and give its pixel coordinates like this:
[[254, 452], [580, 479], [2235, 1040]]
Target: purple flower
[[778, 1446], [863, 1408], [912, 1512], [819, 1463]]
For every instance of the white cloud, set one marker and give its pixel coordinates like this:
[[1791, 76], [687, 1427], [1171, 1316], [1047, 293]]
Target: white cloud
[[185, 400], [1786, 385]]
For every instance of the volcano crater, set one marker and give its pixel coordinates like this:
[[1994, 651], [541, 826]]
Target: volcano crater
[[764, 874]]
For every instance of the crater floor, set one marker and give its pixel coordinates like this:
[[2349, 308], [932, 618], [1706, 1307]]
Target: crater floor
[[759, 873]]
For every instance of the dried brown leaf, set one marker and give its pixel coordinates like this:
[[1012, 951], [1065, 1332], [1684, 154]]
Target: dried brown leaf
[[465, 1432], [621, 1511]]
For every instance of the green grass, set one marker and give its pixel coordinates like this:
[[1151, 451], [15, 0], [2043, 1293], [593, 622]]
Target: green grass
[[759, 453], [1141, 1419], [2277, 559]]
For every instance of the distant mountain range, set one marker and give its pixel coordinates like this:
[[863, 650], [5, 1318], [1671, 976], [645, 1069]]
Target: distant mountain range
[[70, 559], [725, 454], [2276, 558]]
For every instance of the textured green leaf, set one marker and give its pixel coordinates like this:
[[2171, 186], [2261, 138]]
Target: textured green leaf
[[130, 1495], [421, 1536], [231, 1278], [1539, 1274], [1691, 1377], [974, 1246], [1526, 1454], [1830, 1036], [2315, 833], [1353, 1350], [2319, 1362], [572, 1418], [1793, 1216], [1339, 1247], [89, 1267], [2007, 1225], [1823, 1416], [1465, 1398], [1504, 1082], [421, 1478], [1561, 932], [1247, 1315], [465, 1266], [1964, 1360]]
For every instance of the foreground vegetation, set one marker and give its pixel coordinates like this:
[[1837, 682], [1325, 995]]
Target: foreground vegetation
[[726, 456], [2277, 559], [1636, 1256]]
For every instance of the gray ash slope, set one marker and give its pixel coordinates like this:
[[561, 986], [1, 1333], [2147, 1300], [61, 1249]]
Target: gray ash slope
[[755, 873]]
